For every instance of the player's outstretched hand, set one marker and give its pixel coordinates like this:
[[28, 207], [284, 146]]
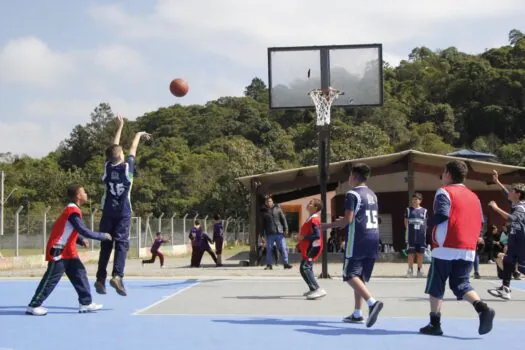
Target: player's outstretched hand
[[495, 177], [493, 204], [120, 120], [143, 134], [107, 237]]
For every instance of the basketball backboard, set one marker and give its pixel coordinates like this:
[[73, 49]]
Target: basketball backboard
[[356, 70]]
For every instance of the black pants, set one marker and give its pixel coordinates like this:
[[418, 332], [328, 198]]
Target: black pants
[[307, 269], [197, 253], [74, 270], [154, 255]]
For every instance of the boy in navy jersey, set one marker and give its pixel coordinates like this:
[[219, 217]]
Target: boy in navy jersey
[[116, 210], [218, 238], [362, 239], [159, 240], [515, 251], [416, 225]]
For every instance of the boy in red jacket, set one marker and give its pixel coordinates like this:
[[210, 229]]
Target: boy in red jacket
[[62, 255], [310, 246]]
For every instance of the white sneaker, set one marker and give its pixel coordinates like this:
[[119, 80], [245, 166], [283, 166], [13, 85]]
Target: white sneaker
[[410, 273], [36, 311], [90, 308], [420, 274], [305, 294], [316, 294], [501, 292]]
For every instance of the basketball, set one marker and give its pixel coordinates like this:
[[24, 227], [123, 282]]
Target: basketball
[[179, 87]]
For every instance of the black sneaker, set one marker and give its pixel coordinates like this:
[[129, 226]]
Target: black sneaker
[[353, 319], [100, 287], [268, 267], [431, 330], [485, 321], [373, 313], [287, 266], [476, 276], [116, 282], [516, 275]]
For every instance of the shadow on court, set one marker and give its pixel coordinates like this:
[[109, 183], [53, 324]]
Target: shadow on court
[[328, 328]]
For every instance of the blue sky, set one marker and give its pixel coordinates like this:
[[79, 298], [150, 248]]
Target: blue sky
[[60, 58]]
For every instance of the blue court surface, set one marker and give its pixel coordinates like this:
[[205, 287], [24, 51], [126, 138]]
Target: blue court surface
[[244, 314]]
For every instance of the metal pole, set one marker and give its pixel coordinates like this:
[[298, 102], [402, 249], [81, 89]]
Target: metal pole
[[2, 182], [17, 228], [172, 228], [184, 227], [206, 223], [160, 222], [44, 228], [92, 221], [324, 149], [139, 235]]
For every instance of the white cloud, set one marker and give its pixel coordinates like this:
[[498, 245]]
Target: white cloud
[[120, 59], [30, 61], [241, 30], [29, 138]]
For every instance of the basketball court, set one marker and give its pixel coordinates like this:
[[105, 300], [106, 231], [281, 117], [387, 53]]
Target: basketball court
[[256, 313]]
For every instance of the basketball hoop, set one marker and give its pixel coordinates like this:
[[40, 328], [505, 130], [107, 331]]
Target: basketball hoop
[[323, 99]]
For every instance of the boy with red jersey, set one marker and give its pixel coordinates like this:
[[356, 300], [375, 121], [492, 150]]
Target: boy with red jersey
[[457, 221], [62, 255], [310, 246]]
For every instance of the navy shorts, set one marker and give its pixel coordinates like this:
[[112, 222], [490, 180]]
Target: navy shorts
[[118, 228], [361, 268], [457, 272], [416, 248]]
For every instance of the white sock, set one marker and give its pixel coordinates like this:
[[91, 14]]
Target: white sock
[[370, 302], [357, 313]]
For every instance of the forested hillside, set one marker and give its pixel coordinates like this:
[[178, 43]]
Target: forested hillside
[[436, 101]]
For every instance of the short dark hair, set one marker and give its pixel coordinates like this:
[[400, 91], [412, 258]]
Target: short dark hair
[[318, 204], [72, 191], [158, 234], [217, 217], [197, 222], [112, 152], [361, 171], [418, 195], [519, 188], [458, 170]]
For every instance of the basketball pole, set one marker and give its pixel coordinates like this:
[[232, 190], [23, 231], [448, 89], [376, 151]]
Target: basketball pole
[[324, 159]]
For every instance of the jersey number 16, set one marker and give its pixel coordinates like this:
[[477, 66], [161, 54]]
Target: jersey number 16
[[371, 219], [116, 189]]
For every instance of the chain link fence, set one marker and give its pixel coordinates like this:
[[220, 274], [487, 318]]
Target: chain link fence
[[28, 234]]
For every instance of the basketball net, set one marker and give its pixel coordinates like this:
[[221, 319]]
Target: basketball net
[[323, 99]]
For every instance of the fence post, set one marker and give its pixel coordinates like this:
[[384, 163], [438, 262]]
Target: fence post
[[148, 229], [139, 234], [206, 223], [44, 228], [92, 222], [184, 227], [17, 228], [227, 224], [160, 222], [172, 219]]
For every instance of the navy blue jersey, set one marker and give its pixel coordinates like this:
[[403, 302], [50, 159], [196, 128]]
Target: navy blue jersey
[[416, 228], [118, 180], [362, 235], [218, 231]]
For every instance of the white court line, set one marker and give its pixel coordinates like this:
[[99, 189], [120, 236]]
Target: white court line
[[137, 313]]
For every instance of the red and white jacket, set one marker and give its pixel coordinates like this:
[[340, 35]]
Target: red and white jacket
[[457, 237], [63, 235]]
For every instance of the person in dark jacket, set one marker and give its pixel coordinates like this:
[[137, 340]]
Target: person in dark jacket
[[274, 228]]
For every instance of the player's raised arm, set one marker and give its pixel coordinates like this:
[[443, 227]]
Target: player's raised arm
[[120, 125], [495, 178], [136, 140], [81, 228]]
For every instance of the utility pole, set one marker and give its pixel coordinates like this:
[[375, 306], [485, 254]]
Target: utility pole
[[2, 181]]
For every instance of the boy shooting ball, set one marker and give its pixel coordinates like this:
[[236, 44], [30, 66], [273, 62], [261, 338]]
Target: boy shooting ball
[[310, 246], [116, 212]]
